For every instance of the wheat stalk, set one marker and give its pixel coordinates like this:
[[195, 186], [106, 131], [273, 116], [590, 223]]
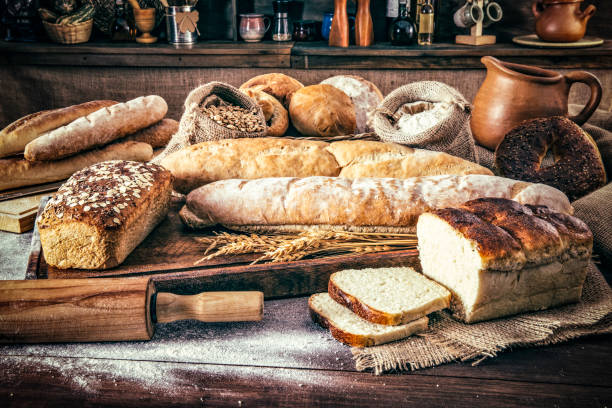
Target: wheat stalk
[[292, 247]]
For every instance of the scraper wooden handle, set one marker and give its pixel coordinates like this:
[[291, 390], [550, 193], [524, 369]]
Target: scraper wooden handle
[[67, 310]]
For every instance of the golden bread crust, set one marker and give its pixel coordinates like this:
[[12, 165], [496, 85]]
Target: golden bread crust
[[322, 110], [280, 86]]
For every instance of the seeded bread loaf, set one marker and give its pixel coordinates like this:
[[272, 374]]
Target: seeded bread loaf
[[348, 328], [389, 296], [17, 172], [364, 204], [15, 137], [102, 213], [97, 129], [498, 257]]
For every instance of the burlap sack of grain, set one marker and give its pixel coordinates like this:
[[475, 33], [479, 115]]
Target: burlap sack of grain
[[451, 134], [196, 127]]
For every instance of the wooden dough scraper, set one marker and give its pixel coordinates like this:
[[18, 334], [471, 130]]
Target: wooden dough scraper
[[81, 310]]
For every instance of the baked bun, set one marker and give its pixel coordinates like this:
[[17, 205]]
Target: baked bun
[[322, 110], [280, 86], [277, 117], [578, 168], [364, 95]]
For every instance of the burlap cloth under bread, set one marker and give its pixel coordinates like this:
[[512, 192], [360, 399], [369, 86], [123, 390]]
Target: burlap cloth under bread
[[449, 340]]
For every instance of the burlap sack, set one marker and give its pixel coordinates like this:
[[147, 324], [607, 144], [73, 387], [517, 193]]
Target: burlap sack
[[451, 134], [196, 127]]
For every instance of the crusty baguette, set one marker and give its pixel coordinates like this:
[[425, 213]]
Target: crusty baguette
[[15, 137], [16, 172], [366, 158], [102, 213], [389, 296], [207, 162], [348, 328], [97, 129], [157, 135], [365, 204]]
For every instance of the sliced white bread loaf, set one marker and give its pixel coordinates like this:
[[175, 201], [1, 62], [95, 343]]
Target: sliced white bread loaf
[[390, 296], [351, 329], [499, 257]]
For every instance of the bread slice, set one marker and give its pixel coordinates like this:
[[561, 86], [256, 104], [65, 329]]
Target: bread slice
[[390, 296], [348, 328]]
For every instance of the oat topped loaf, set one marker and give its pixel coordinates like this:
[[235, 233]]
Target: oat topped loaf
[[102, 213]]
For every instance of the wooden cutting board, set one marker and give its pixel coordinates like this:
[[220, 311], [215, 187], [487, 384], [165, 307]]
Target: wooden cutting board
[[18, 215], [168, 254]]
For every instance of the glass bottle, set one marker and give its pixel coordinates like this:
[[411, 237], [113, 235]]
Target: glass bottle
[[123, 27], [426, 23], [391, 14], [402, 31], [281, 31]]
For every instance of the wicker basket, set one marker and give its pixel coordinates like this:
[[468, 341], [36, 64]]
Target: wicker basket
[[69, 34]]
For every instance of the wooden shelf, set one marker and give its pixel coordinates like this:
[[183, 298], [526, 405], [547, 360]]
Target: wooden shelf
[[316, 55]]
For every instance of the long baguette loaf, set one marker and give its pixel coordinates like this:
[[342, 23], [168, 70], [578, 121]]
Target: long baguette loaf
[[157, 135], [365, 158], [97, 129], [207, 162], [20, 172], [15, 137], [365, 204]]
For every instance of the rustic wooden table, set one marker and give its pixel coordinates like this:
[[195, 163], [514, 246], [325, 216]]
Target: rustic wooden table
[[285, 360]]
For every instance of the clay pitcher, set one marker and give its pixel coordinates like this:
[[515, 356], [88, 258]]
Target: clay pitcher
[[512, 93], [561, 20]]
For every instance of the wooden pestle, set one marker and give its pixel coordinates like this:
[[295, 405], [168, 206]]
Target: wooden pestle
[[110, 309]]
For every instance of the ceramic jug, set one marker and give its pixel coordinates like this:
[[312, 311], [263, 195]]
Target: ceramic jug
[[512, 93], [561, 20]]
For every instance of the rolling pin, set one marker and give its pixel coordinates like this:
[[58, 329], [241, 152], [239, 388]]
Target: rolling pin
[[117, 309]]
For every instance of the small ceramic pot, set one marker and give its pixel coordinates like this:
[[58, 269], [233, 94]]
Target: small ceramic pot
[[253, 27], [561, 20]]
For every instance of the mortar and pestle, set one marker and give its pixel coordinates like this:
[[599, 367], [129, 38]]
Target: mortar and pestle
[[145, 22]]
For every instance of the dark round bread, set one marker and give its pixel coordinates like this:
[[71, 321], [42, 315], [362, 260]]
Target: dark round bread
[[577, 169]]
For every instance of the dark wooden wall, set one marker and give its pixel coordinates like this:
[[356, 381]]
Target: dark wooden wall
[[517, 20]]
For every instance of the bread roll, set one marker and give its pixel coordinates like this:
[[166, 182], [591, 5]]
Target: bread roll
[[16, 172], [364, 95], [248, 158], [365, 204], [322, 110], [102, 213], [277, 117], [157, 135], [499, 258], [15, 137], [280, 86], [97, 129], [365, 158]]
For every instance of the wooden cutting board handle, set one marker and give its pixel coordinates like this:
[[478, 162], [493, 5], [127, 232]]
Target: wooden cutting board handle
[[116, 309]]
